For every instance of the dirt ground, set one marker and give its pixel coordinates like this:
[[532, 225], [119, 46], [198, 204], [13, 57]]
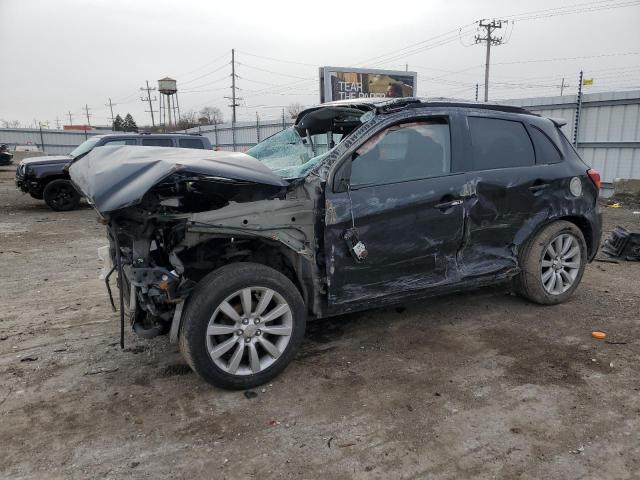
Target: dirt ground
[[475, 385]]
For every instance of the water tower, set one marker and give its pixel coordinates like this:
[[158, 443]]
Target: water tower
[[168, 101]]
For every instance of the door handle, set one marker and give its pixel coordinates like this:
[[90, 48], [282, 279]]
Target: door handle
[[447, 205], [537, 188]]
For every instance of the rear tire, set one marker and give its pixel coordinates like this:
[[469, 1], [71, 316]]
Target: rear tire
[[552, 263], [243, 324], [60, 195]]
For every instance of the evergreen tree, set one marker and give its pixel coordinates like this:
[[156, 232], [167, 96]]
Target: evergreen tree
[[129, 124], [118, 124]]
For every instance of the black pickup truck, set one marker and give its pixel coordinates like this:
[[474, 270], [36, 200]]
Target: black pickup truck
[[45, 178]]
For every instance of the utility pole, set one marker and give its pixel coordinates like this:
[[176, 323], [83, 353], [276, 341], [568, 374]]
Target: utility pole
[[234, 99], [576, 123], [70, 118], [148, 99], [57, 123], [86, 110], [110, 105], [562, 86], [476, 92], [490, 27]]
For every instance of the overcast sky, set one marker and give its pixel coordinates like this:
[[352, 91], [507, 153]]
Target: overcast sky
[[58, 55]]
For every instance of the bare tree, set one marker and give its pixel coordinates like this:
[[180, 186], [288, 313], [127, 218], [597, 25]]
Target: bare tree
[[188, 119], [294, 110], [10, 123], [210, 116]]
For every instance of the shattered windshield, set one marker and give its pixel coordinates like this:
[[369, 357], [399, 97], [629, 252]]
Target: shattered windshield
[[84, 147], [290, 155]]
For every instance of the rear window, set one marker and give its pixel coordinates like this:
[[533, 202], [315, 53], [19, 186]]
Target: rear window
[[191, 143], [157, 142], [546, 151], [500, 144]]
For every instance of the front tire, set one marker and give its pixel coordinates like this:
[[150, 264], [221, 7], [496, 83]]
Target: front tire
[[61, 196], [243, 325], [552, 264]]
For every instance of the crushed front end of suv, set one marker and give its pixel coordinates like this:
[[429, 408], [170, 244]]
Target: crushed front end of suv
[[360, 204]]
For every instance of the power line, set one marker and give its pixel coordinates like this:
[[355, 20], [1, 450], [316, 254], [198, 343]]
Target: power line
[[148, 99], [490, 27]]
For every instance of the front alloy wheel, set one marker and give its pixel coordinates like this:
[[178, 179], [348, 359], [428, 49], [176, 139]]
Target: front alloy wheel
[[249, 330], [243, 324]]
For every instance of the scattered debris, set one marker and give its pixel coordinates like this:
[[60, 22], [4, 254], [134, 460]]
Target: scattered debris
[[623, 243], [615, 343], [250, 394], [134, 464], [61, 349], [515, 430], [343, 445], [329, 442], [410, 408], [615, 205], [400, 309], [437, 394], [578, 450], [101, 370], [599, 335], [3, 338], [29, 359]]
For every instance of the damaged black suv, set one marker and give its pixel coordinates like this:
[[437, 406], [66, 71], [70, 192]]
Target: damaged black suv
[[360, 204]]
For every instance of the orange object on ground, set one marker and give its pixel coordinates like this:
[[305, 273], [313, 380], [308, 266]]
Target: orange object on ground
[[599, 335]]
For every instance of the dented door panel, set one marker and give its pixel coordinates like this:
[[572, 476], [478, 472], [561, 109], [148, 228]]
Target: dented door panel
[[411, 243]]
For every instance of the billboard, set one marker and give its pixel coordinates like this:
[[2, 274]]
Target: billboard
[[338, 83]]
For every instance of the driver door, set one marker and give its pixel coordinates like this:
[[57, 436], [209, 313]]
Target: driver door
[[405, 205]]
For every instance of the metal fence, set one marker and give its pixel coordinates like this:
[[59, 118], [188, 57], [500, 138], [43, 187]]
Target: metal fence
[[55, 142], [608, 130], [241, 136]]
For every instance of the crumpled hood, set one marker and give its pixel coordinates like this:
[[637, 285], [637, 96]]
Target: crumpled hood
[[117, 177], [47, 159]]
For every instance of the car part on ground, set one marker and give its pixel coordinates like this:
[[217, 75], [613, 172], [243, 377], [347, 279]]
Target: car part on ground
[[623, 244], [501, 194]]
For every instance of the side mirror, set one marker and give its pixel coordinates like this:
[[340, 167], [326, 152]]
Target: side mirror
[[342, 176]]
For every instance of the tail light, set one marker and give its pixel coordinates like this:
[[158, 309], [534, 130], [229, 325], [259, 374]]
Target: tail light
[[594, 175]]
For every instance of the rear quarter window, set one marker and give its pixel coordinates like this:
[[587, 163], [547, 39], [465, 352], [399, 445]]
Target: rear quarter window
[[500, 143], [190, 143], [546, 150]]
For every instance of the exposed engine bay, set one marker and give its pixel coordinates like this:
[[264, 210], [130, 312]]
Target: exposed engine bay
[[174, 215]]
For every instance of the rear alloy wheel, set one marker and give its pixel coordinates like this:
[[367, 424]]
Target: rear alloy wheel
[[552, 263], [243, 324], [61, 196], [561, 264]]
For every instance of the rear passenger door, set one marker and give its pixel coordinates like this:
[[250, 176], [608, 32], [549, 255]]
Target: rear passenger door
[[510, 192]]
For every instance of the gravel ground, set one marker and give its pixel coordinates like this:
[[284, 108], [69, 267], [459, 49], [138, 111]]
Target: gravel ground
[[475, 385]]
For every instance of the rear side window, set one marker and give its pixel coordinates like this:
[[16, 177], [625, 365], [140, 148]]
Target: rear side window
[[546, 151], [128, 141], [190, 143], [157, 142], [500, 144]]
